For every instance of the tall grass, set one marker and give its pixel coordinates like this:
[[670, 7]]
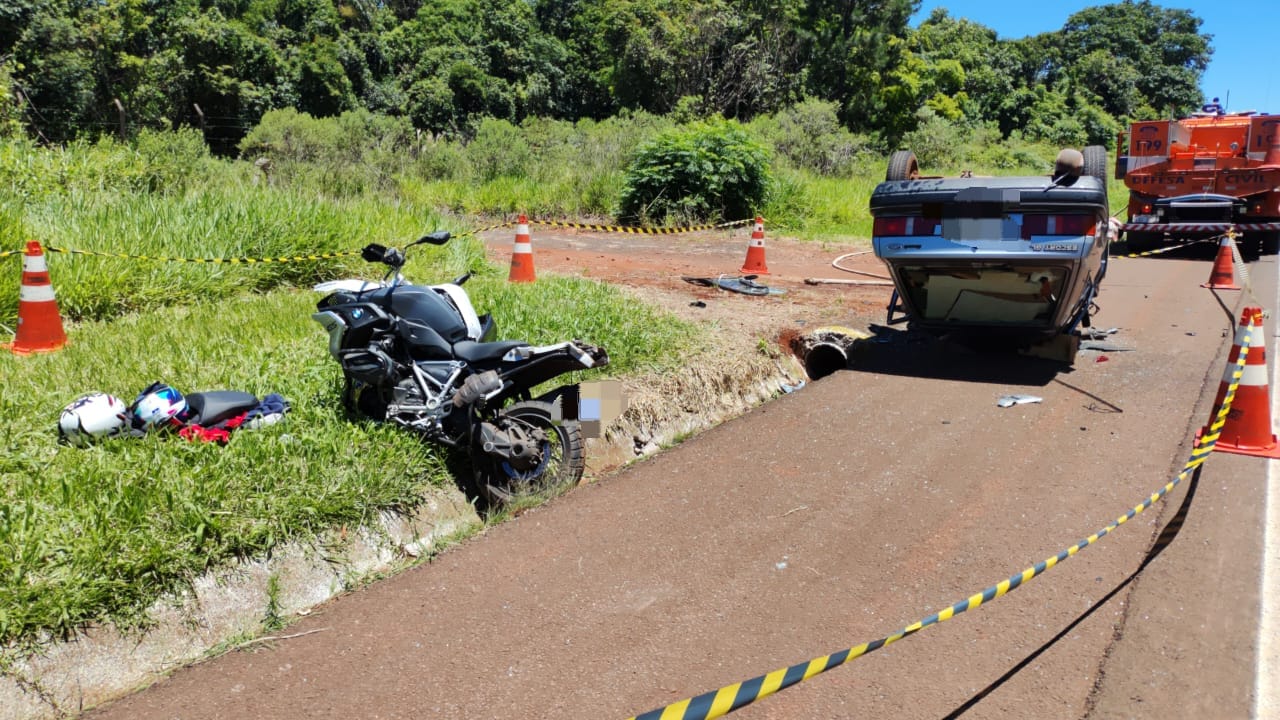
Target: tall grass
[[219, 222], [88, 535]]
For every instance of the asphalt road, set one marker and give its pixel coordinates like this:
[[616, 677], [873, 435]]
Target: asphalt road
[[831, 517]]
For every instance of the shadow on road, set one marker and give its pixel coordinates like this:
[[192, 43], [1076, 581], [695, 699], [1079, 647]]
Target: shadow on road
[[980, 360], [1166, 537]]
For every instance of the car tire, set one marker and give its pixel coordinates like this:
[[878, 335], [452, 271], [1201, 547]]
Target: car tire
[[902, 166], [1095, 163]]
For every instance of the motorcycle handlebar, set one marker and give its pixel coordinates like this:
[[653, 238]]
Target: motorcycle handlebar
[[373, 252]]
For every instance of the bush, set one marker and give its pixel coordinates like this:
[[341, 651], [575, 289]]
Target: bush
[[810, 137], [499, 149], [700, 172], [937, 142], [341, 156], [171, 160]]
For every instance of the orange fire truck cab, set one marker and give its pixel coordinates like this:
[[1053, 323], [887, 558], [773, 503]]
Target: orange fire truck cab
[[1198, 177]]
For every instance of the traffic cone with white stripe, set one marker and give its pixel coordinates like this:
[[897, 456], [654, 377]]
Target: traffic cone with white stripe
[[755, 251], [39, 323], [522, 255], [1223, 276], [1247, 429]]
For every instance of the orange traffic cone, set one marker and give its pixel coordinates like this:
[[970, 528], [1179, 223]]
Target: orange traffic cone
[[1247, 429], [39, 323], [755, 251], [1223, 275], [522, 255]]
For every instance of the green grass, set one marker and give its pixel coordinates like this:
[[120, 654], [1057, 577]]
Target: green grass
[[87, 534], [215, 223]]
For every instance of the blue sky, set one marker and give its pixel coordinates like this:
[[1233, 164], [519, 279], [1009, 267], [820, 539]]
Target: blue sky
[[1244, 61]]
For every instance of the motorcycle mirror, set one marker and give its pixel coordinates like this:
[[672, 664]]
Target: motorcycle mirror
[[373, 252], [439, 237]]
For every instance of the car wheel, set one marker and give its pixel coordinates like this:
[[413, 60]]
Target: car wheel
[[902, 166]]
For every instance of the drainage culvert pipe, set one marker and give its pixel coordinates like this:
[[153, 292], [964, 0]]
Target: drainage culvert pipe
[[827, 349]]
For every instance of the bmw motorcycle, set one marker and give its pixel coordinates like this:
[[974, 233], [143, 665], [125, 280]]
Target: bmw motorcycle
[[420, 357]]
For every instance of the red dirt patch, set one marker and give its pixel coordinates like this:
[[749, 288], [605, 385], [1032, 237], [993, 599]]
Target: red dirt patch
[[653, 266]]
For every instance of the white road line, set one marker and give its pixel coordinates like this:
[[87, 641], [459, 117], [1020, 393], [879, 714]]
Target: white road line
[[1266, 695]]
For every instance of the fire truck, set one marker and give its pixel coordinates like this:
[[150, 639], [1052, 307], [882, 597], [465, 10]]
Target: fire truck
[[1201, 176]]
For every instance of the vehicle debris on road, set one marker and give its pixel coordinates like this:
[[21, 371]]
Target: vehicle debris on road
[[1011, 400], [745, 284]]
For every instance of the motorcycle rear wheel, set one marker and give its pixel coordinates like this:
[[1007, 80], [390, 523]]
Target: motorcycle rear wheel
[[563, 459]]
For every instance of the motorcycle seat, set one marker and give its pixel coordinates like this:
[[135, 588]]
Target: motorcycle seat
[[476, 352], [211, 408]]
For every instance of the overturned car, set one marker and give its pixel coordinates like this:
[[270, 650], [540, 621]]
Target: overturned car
[[1011, 259]]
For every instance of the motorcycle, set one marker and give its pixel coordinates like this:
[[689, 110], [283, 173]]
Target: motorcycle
[[419, 356]]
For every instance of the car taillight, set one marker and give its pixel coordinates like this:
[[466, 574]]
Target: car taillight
[[1146, 209], [908, 225], [1058, 225]]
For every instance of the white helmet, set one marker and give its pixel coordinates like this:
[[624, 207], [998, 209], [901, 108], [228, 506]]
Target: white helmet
[[92, 417], [158, 406]]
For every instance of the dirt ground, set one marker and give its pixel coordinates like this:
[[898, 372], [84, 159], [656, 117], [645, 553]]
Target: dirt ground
[[654, 266]]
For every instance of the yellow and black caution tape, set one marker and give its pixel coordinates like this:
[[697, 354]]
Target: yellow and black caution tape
[[483, 229], [718, 703], [1239, 267], [351, 253], [228, 261], [640, 230]]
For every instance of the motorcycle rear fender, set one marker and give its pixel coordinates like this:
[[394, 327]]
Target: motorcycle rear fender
[[540, 364], [564, 400]]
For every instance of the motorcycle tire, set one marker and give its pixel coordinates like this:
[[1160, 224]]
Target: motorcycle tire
[[563, 459]]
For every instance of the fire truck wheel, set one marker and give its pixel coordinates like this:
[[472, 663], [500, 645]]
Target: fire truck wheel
[[1095, 163], [902, 166]]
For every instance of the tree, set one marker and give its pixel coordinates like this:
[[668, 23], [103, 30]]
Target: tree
[[855, 49], [1158, 55], [988, 66], [324, 89], [464, 59]]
